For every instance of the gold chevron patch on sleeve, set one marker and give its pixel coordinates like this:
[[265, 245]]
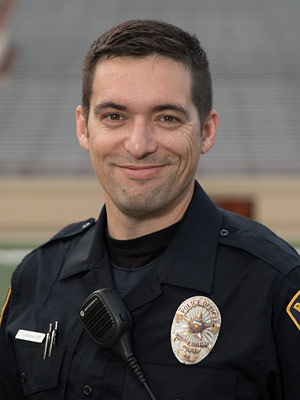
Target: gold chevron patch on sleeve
[[5, 305], [293, 309]]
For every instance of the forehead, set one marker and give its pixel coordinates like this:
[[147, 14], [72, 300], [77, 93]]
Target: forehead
[[151, 78]]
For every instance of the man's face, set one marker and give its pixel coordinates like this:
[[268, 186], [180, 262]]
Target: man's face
[[143, 134]]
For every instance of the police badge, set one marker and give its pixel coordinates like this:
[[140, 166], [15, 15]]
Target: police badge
[[195, 329]]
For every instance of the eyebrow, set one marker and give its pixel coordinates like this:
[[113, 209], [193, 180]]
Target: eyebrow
[[160, 107], [173, 107], [109, 104]]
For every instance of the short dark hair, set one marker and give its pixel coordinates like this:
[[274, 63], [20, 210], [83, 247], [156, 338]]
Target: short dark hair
[[140, 38]]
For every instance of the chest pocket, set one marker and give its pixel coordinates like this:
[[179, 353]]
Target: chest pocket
[[176, 382], [43, 378]]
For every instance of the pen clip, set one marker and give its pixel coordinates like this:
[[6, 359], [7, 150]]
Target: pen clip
[[47, 341], [53, 339]]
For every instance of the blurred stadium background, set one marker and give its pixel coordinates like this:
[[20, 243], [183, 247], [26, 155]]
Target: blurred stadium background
[[45, 178]]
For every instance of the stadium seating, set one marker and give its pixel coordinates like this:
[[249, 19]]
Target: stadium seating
[[255, 59]]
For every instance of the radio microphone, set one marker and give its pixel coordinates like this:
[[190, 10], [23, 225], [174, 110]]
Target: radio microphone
[[106, 319]]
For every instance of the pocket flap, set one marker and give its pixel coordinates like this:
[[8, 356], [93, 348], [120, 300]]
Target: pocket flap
[[38, 374]]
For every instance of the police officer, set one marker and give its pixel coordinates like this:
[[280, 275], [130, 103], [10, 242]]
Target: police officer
[[214, 297]]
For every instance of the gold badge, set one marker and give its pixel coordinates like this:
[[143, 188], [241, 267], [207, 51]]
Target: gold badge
[[195, 329]]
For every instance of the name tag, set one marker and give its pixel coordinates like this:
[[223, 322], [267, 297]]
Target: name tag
[[30, 336]]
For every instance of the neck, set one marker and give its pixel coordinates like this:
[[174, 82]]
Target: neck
[[122, 226]]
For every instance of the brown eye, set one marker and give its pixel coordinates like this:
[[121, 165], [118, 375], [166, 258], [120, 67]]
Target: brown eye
[[114, 117], [169, 119]]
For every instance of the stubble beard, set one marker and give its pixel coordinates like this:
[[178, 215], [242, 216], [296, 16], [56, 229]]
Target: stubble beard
[[141, 198], [143, 201]]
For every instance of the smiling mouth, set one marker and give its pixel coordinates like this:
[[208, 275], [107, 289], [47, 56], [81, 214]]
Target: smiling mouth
[[141, 171]]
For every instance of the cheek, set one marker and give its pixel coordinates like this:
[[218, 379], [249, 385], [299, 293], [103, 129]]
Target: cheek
[[102, 145], [189, 149], [97, 154]]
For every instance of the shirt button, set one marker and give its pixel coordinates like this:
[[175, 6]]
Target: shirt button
[[224, 232], [23, 377], [87, 390]]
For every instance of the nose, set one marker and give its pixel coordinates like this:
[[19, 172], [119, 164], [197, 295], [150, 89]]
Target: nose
[[140, 141]]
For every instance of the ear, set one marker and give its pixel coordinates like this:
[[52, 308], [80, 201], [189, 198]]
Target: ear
[[81, 128], [209, 131]]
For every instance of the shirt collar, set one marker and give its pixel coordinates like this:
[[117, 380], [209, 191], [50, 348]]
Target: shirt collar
[[188, 261], [89, 251]]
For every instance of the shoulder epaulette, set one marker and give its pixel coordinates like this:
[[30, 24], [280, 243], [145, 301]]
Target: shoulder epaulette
[[66, 232], [74, 229], [258, 240]]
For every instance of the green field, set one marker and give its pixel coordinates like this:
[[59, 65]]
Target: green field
[[5, 274]]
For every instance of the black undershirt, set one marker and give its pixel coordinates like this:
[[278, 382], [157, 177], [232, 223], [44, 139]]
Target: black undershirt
[[138, 252]]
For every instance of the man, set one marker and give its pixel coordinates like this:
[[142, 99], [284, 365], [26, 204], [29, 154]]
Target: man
[[214, 297]]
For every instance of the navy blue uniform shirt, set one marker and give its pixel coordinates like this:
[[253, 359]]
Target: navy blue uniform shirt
[[251, 275]]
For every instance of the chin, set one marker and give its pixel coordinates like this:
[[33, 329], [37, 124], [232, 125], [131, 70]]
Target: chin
[[142, 205]]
